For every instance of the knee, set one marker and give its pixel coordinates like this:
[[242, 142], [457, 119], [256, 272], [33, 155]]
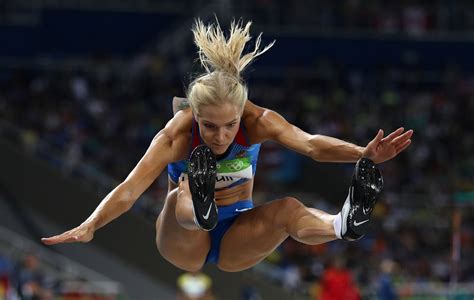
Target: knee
[[181, 209], [184, 214], [226, 267], [184, 265], [287, 209], [190, 268], [183, 262], [230, 268], [172, 198], [290, 204], [238, 265]]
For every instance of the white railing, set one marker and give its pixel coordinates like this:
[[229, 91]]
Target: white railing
[[429, 290], [68, 271]]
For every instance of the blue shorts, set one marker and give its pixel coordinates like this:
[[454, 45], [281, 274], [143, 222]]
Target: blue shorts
[[227, 215]]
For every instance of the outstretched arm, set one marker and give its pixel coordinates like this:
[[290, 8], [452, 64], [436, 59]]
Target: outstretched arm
[[161, 151], [272, 126]]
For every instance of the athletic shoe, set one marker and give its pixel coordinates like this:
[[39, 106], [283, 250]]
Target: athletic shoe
[[202, 171], [366, 186]]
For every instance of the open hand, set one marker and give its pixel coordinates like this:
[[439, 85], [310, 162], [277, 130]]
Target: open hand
[[381, 148], [82, 233]]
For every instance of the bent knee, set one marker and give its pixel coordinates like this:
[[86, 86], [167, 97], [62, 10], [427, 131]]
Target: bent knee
[[290, 203], [284, 209], [187, 263], [226, 267], [237, 266], [230, 268]]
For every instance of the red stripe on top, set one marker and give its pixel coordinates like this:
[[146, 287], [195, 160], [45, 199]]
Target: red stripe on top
[[240, 138], [196, 139]]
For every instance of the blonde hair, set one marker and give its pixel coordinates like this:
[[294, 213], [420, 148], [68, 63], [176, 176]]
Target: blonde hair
[[223, 61]]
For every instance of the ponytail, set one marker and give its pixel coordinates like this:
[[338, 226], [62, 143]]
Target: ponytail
[[223, 61]]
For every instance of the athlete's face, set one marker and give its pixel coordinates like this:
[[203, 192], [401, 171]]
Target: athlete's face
[[218, 125]]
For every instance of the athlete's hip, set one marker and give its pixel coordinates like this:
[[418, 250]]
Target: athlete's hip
[[228, 211]]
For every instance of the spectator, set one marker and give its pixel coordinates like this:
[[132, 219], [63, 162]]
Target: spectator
[[194, 286], [337, 283], [29, 280], [385, 289]]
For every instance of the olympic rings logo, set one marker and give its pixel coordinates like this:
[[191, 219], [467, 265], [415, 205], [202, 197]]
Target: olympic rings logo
[[235, 165]]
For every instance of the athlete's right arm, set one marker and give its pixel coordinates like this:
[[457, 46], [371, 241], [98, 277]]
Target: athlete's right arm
[[165, 148]]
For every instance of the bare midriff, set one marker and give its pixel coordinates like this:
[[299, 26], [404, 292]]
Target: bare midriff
[[229, 196]]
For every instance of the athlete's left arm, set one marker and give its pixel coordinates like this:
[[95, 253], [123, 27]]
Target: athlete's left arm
[[328, 149]]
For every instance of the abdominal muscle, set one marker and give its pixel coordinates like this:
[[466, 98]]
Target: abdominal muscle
[[229, 196]]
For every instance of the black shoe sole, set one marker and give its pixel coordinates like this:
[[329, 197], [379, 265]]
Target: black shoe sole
[[202, 171], [368, 184]]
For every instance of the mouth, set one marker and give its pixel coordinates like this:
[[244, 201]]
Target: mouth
[[219, 149]]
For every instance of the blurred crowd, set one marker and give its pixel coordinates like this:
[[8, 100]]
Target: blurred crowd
[[23, 279], [407, 17], [26, 278], [104, 118], [395, 17], [98, 119]]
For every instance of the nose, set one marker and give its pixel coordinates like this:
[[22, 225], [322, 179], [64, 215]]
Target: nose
[[220, 136]]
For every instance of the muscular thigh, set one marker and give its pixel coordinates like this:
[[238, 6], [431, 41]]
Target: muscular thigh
[[254, 235], [186, 249]]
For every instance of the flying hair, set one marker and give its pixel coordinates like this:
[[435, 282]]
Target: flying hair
[[218, 53], [223, 59]]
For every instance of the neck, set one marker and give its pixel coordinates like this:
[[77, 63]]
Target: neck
[[221, 156]]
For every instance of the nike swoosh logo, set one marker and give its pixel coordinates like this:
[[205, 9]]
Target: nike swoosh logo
[[206, 216], [360, 223], [242, 209]]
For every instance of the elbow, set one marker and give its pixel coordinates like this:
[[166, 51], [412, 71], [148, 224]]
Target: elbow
[[126, 197], [313, 150], [126, 204], [315, 154]]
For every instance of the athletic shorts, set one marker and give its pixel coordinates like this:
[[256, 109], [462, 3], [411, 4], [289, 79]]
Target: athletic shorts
[[227, 215]]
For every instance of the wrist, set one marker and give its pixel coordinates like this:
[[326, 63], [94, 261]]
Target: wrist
[[89, 225], [362, 152]]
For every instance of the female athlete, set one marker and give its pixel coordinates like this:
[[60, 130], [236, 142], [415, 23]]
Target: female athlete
[[211, 148]]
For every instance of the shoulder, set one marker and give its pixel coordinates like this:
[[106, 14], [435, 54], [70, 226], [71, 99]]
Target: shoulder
[[180, 124], [261, 123], [177, 134]]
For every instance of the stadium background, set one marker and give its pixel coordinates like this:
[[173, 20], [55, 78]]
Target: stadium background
[[84, 87]]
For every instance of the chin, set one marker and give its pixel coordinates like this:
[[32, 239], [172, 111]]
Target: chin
[[219, 150]]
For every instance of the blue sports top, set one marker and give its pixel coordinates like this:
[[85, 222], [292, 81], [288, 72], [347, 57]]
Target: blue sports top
[[238, 166]]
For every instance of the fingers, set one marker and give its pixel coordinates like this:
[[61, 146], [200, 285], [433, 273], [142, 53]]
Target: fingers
[[48, 241], [72, 236], [57, 239], [403, 146], [393, 135], [379, 135], [402, 138]]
